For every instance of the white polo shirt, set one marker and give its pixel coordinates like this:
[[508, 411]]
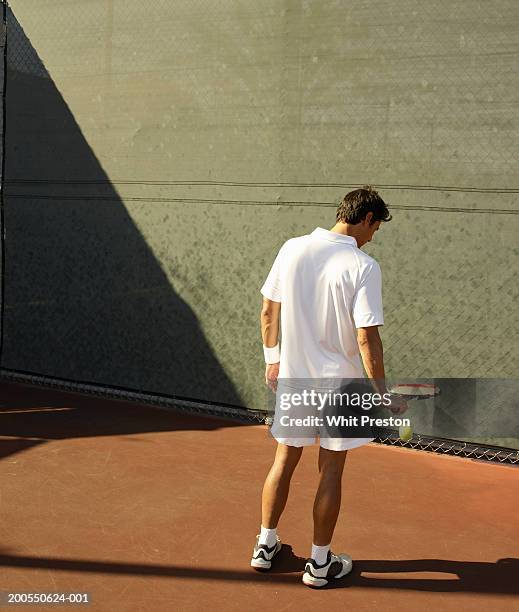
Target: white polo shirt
[[328, 287]]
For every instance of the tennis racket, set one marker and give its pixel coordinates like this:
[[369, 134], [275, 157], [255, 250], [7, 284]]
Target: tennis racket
[[412, 391]]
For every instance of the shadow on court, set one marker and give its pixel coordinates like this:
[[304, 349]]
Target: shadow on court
[[473, 577], [30, 416], [142, 506]]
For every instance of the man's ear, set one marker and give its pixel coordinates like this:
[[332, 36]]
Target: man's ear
[[369, 218]]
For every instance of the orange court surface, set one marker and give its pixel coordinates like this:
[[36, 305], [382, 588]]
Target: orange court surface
[[147, 508]]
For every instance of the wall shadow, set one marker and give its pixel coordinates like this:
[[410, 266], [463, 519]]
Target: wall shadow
[[85, 297], [31, 416]]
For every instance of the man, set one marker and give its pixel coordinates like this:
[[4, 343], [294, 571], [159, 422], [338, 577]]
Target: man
[[331, 296]]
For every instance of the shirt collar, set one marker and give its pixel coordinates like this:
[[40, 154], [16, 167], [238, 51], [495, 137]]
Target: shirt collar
[[319, 232]]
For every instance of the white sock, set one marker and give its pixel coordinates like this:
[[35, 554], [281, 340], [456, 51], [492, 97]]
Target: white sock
[[267, 536], [320, 554]]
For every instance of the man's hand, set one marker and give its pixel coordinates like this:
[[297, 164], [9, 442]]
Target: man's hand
[[398, 405], [271, 376]]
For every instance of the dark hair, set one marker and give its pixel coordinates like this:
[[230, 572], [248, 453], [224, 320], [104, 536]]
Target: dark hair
[[357, 204]]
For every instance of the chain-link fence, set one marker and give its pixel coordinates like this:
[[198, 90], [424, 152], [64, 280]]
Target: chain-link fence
[[483, 452]]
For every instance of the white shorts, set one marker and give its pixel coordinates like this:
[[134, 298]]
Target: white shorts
[[334, 444], [308, 434]]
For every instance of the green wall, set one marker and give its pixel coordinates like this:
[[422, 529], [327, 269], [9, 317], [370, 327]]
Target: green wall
[[158, 155]]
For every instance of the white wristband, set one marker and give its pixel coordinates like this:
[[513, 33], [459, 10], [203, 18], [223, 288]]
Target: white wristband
[[271, 354]]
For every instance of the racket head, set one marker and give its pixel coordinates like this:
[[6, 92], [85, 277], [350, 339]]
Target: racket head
[[415, 391]]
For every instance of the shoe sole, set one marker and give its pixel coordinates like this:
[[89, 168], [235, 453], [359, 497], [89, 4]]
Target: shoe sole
[[314, 583], [319, 583], [261, 564]]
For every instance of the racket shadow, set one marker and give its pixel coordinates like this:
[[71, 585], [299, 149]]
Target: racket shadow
[[460, 576]]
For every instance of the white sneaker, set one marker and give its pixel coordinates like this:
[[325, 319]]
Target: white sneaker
[[336, 566], [262, 555]]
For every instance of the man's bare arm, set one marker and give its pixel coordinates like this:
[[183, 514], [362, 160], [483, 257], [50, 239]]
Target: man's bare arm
[[270, 322], [372, 353], [269, 319]]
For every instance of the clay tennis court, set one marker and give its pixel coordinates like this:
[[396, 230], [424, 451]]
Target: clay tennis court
[[152, 509]]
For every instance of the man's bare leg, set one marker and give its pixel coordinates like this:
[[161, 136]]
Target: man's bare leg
[[328, 497], [277, 484]]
